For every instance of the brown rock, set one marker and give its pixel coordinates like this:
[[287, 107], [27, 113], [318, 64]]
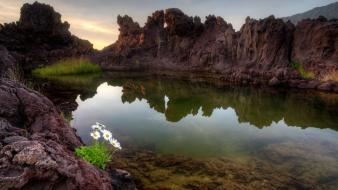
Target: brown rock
[[274, 82], [261, 48], [178, 23], [38, 146], [315, 45], [326, 86], [266, 42]]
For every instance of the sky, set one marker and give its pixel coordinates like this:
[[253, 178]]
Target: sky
[[95, 20]]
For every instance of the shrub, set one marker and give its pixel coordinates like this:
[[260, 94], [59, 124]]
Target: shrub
[[100, 153], [69, 66], [303, 73], [97, 154]]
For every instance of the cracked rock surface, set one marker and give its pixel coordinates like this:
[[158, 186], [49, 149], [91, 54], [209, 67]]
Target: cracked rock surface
[[37, 146]]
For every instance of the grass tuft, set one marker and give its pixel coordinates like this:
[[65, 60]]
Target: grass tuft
[[303, 73], [71, 66]]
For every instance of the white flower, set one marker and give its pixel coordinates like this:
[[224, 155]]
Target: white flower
[[115, 143], [96, 127], [106, 134], [101, 126], [96, 135]]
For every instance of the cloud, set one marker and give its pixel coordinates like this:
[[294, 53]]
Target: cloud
[[8, 13], [101, 35]]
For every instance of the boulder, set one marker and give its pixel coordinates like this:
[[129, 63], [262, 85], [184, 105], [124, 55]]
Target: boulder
[[37, 146]]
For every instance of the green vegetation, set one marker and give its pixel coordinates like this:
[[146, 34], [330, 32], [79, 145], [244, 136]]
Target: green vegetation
[[97, 154], [70, 66], [305, 74], [79, 80]]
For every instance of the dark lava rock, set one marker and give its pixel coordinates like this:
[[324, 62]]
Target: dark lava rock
[[274, 82], [7, 62], [37, 146], [178, 23], [326, 86], [315, 45], [41, 18], [262, 50], [40, 37], [266, 42], [122, 180]]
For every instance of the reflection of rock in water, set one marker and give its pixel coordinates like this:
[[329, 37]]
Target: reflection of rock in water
[[259, 107], [64, 90], [168, 172]]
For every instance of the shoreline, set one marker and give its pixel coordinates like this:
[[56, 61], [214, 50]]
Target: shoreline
[[222, 80]]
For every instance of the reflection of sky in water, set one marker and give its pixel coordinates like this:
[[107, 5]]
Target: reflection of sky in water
[[136, 124]]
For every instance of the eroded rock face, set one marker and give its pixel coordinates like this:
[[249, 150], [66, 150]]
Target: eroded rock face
[[40, 37], [266, 43], [42, 18], [316, 45], [178, 23], [262, 52], [187, 44], [37, 146]]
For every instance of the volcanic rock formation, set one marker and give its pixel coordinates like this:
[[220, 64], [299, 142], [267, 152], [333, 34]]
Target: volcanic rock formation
[[40, 37], [263, 51], [316, 44]]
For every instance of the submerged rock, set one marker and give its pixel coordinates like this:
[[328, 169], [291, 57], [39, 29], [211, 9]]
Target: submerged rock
[[37, 146], [157, 172]]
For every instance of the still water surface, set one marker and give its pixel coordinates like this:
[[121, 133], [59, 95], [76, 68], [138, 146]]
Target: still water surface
[[284, 132]]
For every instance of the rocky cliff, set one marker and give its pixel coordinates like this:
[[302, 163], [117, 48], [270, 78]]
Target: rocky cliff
[[263, 51], [40, 37], [315, 45]]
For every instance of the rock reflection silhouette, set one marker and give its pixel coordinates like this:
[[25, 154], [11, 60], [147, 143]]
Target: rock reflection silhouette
[[257, 106]]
